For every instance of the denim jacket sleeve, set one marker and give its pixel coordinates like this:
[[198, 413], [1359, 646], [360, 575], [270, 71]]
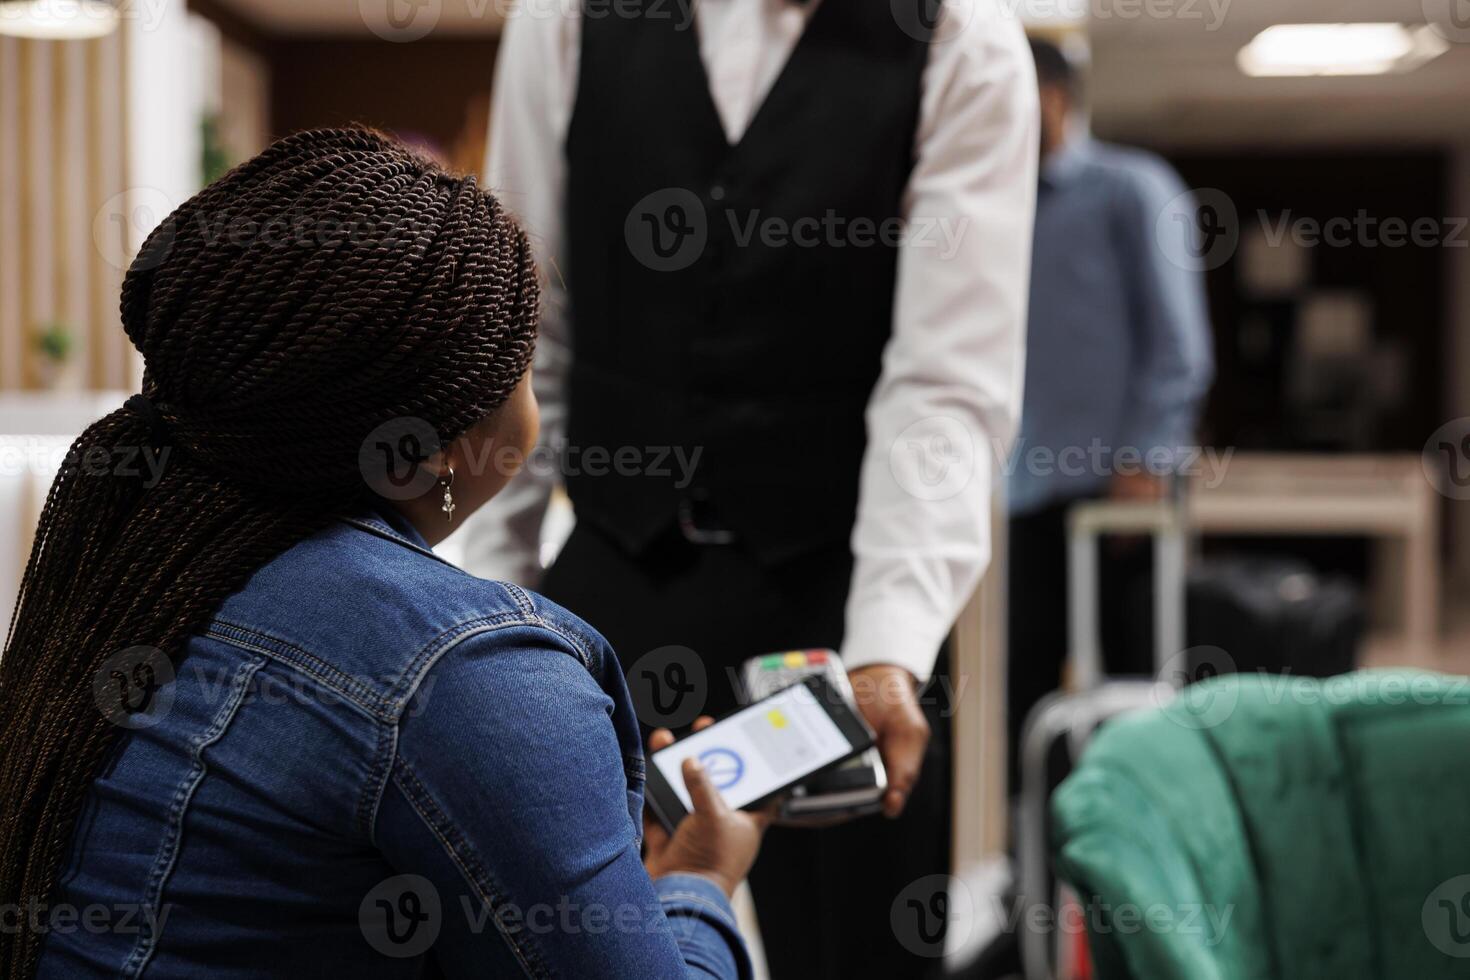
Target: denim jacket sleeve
[[514, 794]]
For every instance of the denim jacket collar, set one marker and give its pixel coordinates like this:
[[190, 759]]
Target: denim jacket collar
[[386, 522]]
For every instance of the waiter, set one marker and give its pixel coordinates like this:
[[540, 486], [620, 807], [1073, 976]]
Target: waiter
[[788, 246]]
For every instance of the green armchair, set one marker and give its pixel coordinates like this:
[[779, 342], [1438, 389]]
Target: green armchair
[[1277, 827]]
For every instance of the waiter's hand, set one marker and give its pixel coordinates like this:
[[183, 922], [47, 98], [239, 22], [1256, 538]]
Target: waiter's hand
[[888, 697]]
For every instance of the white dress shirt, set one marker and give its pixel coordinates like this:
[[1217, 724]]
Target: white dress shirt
[[946, 403]]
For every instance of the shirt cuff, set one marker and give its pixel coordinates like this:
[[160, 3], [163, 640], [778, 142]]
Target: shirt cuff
[[894, 633], [703, 924]]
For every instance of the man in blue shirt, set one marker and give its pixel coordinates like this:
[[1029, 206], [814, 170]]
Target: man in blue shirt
[[1118, 360]]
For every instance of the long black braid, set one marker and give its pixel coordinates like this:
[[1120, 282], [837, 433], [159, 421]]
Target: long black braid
[[332, 284]]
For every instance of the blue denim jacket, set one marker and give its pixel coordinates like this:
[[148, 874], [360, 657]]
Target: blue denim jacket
[[373, 764]]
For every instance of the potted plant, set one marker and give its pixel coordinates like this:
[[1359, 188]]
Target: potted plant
[[54, 345]]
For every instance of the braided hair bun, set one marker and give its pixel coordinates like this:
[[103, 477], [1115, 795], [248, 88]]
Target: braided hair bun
[[333, 284]]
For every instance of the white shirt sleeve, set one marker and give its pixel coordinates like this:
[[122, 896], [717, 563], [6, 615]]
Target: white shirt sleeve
[[533, 95], [948, 399]]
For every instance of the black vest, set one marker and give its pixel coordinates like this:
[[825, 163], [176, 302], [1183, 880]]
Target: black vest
[[733, 301]]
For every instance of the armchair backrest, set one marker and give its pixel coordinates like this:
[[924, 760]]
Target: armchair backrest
[[1278, 828]]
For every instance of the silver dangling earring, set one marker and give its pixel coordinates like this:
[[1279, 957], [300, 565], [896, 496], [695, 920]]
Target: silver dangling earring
[[448, 506]]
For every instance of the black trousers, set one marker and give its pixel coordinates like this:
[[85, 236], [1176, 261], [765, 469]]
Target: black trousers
[[1038, 613], [824, 897]]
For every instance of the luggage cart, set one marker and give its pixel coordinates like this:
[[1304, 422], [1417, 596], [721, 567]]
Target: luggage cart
[[1059, 727]]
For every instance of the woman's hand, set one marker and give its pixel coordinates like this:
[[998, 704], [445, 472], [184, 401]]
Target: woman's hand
[[714, 840]]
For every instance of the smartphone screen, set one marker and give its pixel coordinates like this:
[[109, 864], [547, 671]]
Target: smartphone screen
[[766, 746]]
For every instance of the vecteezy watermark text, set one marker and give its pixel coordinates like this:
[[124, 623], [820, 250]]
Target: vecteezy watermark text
[[124, 918], [1365, 230], [1206, 463], [1202, 229], [1210, 14], [47, 456], [669, 229], [402, 917], [393, 458]]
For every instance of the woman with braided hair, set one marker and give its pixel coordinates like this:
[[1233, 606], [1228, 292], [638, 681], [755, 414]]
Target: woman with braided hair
[[250, 725]]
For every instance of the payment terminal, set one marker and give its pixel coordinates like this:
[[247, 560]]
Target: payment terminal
[[852, 789]]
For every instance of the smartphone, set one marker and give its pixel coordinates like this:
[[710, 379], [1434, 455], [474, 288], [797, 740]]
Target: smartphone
[[761, 750], [853, 789]]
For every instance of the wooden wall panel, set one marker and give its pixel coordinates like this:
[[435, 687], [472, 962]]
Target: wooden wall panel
[[10, 233], [61, 160]]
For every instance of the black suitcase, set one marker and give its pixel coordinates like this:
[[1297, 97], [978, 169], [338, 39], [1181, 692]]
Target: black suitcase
[[1275, 615]]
